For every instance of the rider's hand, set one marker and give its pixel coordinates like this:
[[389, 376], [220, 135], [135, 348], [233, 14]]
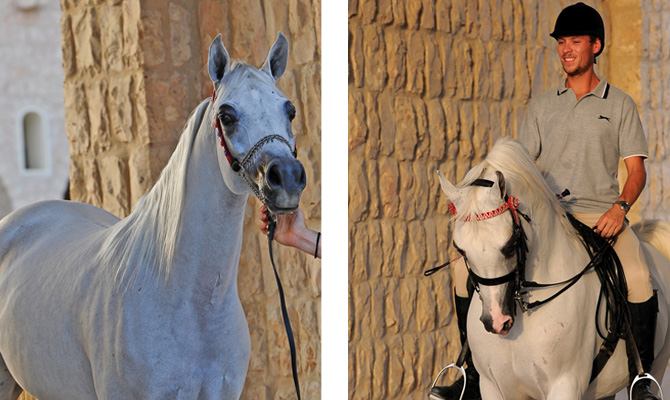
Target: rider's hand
[[611, 222]]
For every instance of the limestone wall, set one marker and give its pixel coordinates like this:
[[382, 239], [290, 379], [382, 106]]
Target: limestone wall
[[654, 102], [432, 84], [134, 70]]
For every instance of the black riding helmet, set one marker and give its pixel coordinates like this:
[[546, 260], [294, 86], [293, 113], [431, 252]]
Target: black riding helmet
[[580, 19]]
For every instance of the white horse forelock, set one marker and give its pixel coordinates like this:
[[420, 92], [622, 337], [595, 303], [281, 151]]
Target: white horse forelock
[[524, 181], [145, 242]]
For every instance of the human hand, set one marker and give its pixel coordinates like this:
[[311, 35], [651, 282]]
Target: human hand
[[611, 222], [288, 226]]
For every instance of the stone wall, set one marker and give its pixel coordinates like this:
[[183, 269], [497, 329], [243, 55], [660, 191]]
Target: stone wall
[[134, 70], [653, 75], [432, 84]]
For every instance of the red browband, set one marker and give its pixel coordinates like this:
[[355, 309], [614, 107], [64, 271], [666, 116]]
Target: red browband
[[512, 204]]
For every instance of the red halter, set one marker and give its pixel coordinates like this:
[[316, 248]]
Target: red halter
[[219, 133]]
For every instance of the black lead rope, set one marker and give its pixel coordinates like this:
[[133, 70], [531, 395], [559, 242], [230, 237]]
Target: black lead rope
[[287, 323]]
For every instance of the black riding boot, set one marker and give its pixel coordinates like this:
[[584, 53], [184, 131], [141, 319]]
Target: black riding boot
[[643, 327], [453, 392]]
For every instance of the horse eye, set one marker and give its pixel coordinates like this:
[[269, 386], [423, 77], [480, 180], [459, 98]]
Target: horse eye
[[290, 110], [228, 115]]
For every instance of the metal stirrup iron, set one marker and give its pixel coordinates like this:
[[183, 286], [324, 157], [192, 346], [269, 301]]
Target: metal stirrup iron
[[459, 366], [641, 378]]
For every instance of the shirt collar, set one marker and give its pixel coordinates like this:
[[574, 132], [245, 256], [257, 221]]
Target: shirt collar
[[601, 90]]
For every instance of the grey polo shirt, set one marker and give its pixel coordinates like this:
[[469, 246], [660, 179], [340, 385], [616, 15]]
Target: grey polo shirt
[[577, 143]]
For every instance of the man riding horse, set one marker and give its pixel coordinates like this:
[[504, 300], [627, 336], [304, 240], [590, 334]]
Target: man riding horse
[[577, 132]]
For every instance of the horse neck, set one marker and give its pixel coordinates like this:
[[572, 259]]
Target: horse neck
[[210, 239], [555, 252], [185, 234]]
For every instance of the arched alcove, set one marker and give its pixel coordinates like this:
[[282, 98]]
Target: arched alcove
[[34, 142]]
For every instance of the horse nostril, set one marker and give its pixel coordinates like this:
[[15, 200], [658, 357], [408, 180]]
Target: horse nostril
[[273, 176], [507, 326], [303, 178]]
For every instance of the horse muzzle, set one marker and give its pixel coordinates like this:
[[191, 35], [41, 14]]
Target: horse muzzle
[[499, 324], [283, 182]]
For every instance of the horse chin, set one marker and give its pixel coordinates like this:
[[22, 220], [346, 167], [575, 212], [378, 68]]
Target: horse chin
[[281, 210], [280, 202]]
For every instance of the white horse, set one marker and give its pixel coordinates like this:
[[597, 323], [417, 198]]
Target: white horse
[[92, 307], [547, 353]]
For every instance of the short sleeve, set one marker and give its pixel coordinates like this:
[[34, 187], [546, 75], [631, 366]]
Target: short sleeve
[[632, 141]]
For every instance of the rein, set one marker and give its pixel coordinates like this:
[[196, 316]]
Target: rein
[[603, 260], [284, 313], [517, 275], [238, 167]]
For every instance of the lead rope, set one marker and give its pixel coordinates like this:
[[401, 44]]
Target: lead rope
[[287, 323]]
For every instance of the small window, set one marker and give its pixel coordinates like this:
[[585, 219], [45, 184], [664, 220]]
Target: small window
[[33, 142]]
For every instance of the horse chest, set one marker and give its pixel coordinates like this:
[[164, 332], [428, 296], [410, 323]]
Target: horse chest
[[181, 351]]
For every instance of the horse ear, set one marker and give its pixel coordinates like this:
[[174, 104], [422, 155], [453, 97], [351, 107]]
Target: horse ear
[[275, 64], [219, 60], [501, 184], [447, 187]]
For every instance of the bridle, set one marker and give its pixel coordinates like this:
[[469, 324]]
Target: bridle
[[600, 250], [238, 167], [517, 275]]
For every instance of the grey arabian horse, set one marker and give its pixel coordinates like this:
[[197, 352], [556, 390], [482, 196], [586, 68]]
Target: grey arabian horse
[[93, 307], [546, 353]]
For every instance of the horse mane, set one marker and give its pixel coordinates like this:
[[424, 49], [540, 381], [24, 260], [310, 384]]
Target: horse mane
[[146, 240], [523, 180]]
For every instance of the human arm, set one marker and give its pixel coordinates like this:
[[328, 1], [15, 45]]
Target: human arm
[[292, 231], [611, 222]]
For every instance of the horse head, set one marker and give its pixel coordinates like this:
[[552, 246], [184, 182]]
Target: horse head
[[253, 120], [486, 239]]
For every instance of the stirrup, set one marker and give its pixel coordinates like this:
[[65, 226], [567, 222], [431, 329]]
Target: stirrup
[[643, 377], [465, 380]]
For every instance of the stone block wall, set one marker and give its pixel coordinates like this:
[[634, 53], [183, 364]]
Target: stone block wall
[[134, 71], [653, 75], [432, 84]]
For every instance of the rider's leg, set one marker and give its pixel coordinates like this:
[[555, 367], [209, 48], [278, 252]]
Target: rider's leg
[[460, 278], [642, 301], [643, 305], [462, 305]]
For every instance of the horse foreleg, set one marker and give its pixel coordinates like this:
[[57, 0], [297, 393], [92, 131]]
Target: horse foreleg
[[9, 389], [489, 390], [565, 388]]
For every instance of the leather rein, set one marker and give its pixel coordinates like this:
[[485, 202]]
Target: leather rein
[[517, 275], [597, 253]]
